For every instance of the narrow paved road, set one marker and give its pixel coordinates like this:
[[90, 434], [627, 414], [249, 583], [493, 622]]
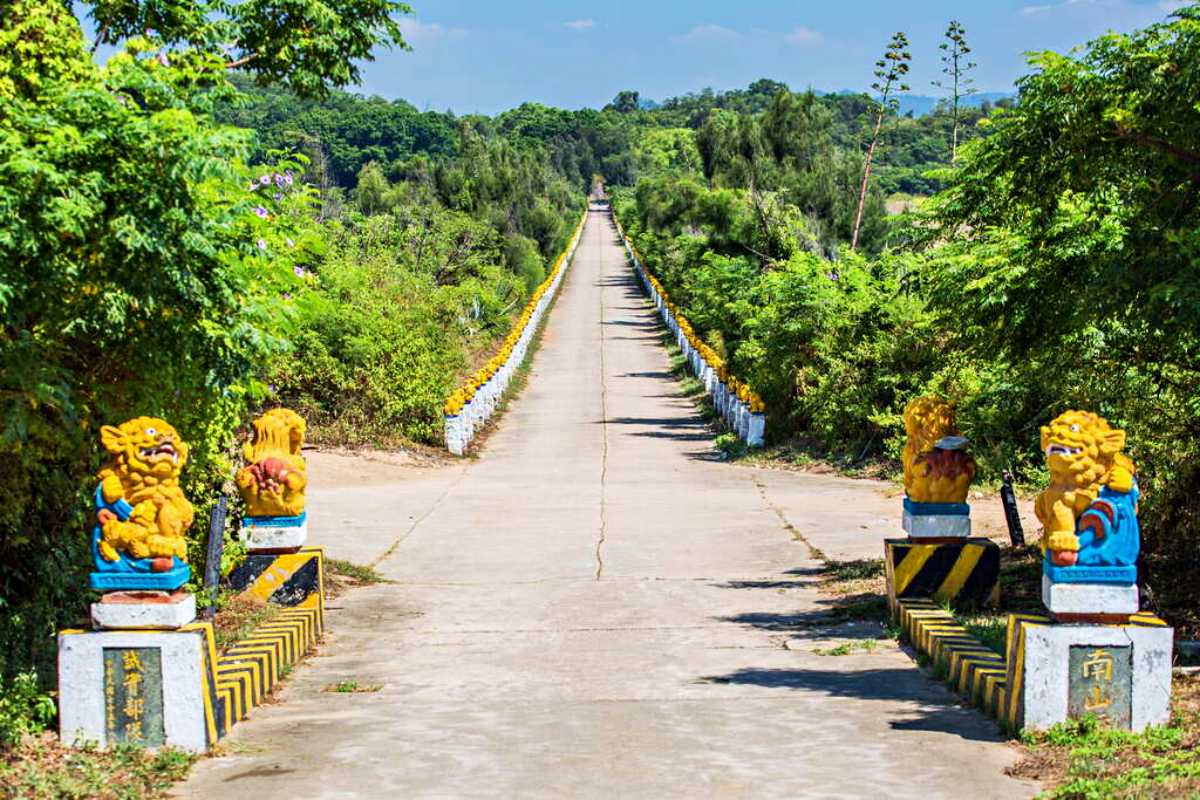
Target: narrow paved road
[[595, 608]]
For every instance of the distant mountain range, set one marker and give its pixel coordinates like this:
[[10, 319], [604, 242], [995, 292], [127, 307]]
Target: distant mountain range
[[921, 104], [917, 104]]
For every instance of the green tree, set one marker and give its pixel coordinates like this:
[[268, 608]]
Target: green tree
[[144, 266], [889, 73], [956, 66], [309, 45], [625, 102]]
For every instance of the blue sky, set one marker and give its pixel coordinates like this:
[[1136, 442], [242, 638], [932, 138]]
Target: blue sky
[[486, 56]]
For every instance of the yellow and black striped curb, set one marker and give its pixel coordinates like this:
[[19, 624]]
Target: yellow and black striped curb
[[247, 672], [984, 677], [295, 580], [964, 573], [973, 670]]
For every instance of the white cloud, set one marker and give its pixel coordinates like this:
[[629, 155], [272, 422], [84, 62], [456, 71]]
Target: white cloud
[[708, 33], [804, 37], [580, 24], [416, 31]]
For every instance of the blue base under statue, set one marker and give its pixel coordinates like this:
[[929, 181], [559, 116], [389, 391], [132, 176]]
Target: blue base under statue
[[129, 580], [1106, 575], [936, 509]]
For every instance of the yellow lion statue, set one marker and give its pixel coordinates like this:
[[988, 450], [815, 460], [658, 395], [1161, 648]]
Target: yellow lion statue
[[147, 457], [934, 474], [1083, 454], [273, 481]]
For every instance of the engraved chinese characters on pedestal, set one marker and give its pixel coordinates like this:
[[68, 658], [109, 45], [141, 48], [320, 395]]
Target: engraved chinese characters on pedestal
[[1091, 537], [273, 482], [142, 516], [1101, 683], [133, 696]]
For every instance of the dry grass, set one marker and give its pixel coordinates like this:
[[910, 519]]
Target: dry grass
[[857, 589], [239, 616], [343, 575], [40, 768]]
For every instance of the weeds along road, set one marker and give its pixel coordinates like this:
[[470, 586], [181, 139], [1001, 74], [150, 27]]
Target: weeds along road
[[597, 608]]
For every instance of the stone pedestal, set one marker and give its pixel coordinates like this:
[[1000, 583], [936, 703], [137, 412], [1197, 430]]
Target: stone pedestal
[[936, 520], [276, 534], [1089, 599], [1057, 672], [149, 688], [965, 573], [144, 610]]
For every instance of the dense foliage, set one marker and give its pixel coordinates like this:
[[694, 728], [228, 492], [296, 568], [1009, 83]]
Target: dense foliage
[[1058, 268], [157, 258]]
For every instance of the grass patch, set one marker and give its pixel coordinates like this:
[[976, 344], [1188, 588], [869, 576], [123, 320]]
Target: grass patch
[[39, 767], [846, 648], [352, 687], [990, 629], [353, 572], [1082, 759], [238, 616], [342, 575]]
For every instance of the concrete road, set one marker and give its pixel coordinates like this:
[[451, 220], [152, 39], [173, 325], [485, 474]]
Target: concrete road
[[597, 608]]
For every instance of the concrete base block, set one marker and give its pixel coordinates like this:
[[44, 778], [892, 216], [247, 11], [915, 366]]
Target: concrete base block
[[965, 573], [1089, 598], [757, 429], [136, 687], [265, 533], [937, 526], [1058, 672], [144, 610]]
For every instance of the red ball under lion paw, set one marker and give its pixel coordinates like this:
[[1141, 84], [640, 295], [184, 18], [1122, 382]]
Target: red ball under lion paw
[[1063, 558]]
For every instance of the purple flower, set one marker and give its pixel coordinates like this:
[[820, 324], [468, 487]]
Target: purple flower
[[262, 244], [253, 186], [287, 295], [264, 180], [162, 59], [261, 212], [299, 271], [279, 180], [279, 195], [287, 177]]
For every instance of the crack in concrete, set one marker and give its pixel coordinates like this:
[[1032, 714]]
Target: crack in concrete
[[434, 507], [813, 552], [604, 453]]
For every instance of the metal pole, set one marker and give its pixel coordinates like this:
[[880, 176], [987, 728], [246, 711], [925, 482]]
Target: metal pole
[[1011, 515], [212, 560]]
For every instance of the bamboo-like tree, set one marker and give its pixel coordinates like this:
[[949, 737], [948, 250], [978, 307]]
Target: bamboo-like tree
[[889, 76], [957, 64]]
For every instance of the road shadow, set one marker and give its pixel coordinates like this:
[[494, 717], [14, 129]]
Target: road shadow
[[887, 684]]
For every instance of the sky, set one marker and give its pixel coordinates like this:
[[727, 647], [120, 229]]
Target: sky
[[483, 56]]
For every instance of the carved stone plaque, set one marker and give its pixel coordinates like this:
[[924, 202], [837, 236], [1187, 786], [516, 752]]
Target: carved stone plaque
[[1101, 683], [133, 696]]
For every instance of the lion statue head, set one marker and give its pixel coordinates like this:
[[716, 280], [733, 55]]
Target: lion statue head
[[145, 446], [1081, 449]]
